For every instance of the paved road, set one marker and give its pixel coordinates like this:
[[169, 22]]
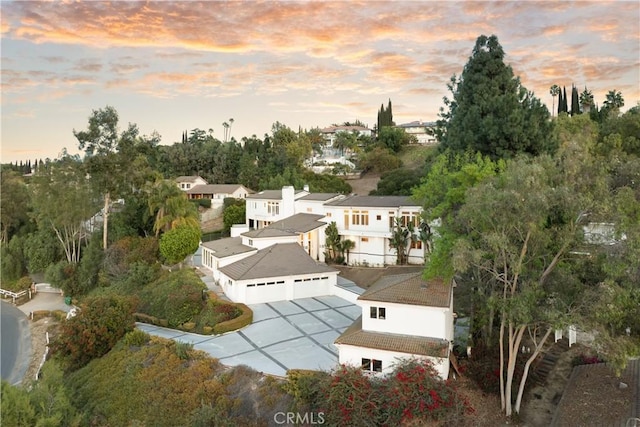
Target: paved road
[[15, 338]]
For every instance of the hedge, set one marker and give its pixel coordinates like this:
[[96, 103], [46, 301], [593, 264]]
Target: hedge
[[239, 322], [41, 314]]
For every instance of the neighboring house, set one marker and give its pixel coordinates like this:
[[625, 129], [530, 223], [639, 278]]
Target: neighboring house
[[421, 130], [330, 133], [403, 316], [187, 182], [369, 221], [279, 272], [218, 191]]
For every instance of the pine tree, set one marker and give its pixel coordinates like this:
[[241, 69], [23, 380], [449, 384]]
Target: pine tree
[[565, 106], [491, 112]]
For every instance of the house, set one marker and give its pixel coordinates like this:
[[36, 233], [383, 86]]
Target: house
[[269, 206], [218, 253], [218, 192], [329, 134], [279, 272], [403, 316], [423, 131], [187, 182], [370, 221]]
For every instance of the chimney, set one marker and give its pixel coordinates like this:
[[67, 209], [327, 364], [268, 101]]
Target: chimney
[[288, 197], [306, 188]]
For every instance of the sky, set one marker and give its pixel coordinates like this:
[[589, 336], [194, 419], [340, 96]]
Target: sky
[[175, 66]]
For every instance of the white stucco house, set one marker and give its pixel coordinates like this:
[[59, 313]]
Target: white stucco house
[[268, 206], [421, 130], [276, 273], [403, 316], [187, 182], [369, 221], [218, 192]]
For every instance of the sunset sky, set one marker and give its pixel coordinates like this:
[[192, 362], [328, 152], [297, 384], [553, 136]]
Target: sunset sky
[[175, 66]]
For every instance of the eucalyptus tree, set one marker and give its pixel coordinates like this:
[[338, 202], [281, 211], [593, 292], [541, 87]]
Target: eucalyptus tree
[[14, 203], [64, 200], [109, 158]]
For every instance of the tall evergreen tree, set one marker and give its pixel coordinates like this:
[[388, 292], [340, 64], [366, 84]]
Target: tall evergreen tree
[[560, 102], [385, 116], [575, 102], [565, 106], [491, 112]]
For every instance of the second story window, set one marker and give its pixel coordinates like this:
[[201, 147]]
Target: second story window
[[378, 313], [273, 208], [360, 217]]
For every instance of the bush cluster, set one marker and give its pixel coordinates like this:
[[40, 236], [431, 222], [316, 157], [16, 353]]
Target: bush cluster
[[413, 392]]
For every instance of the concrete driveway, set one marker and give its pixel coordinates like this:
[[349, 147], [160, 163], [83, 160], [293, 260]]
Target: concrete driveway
[[284, 335]]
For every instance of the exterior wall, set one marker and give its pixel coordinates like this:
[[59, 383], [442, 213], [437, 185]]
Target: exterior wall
[[187, 185], [352, 355], [272, 289], [432, 322], [266, 242], [264, 210]]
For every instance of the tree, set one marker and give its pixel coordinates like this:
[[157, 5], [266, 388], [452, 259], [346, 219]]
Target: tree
[[345, 247], [385, 117], [179, 242], [332, 243], [108, 157], [491, 112], [394, 138], [63, 201], [400, 239], [234, 214], [97, 327], [554, 91], [586, 100], [614, 100], [397, 182], [379, 160], [565, 107], [170, 207], [560, 102], [14, 204], [575, 103], [518, 228]]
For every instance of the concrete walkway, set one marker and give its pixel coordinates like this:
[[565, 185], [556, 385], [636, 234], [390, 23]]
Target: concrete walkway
[[284, 335]]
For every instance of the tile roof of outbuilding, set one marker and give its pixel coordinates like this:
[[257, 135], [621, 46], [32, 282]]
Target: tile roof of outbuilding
[[277, 260], [409, 289], [189, 178], [408, 344]]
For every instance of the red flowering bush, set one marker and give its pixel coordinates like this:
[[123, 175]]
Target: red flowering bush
[[226, 312], [413, 392]]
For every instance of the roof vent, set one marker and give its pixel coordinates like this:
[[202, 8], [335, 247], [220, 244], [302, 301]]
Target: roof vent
[[423, 286]]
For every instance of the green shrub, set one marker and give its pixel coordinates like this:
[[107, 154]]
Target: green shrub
[[305, 387], [188, 326], [136, 338], [183, 350], [205, 203], [239, 322]]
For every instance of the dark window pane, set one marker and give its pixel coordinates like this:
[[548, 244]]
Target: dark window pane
[[374, 312]]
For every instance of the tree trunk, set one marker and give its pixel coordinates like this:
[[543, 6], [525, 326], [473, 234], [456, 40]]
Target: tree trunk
[[515, 338], [105, 220], [526, 369]]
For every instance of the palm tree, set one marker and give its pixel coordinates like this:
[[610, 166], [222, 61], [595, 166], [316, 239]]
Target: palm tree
[[170, 207], [346, 246], [225, 125], [614, 100], [399, 241], [554, 91], [230, 124], [586, 100]]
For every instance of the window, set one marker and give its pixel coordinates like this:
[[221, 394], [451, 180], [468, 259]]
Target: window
[[250, 242], [309, 210], [378, 217], [273, 208], [360, 217], [364, 239], [378, 313], [416, 244], [410, 218], [328, 214], [371, 365]]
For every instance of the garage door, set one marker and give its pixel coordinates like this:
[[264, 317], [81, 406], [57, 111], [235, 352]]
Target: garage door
[[265, 292]]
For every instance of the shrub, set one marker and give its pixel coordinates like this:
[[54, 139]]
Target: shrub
[[305, 388], [239, 322], [136, 338], [205, 203], [183, 350], [100, 324]]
